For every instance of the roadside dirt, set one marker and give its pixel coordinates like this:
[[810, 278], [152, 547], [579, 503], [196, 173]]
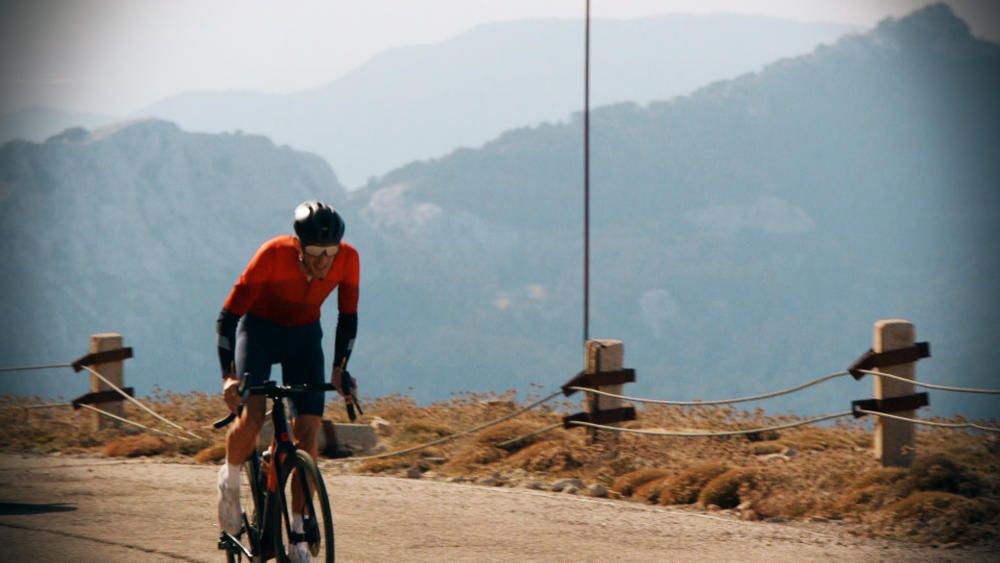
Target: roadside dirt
[[59, 508]]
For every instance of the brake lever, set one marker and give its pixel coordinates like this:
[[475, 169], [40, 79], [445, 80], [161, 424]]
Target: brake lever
[[350, 400]]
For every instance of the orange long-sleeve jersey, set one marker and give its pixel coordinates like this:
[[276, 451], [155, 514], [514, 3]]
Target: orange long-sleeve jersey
[[274, 287]]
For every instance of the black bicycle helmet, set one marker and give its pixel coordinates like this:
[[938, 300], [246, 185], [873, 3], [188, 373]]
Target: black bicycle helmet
[[318, 223]]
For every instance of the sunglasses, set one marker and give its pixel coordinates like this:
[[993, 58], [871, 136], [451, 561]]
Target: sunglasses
[[313, 250]]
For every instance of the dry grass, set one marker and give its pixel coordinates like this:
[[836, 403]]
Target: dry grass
[[212, 454], [629, 483], [951, 493], [684, 487], [136, 446]]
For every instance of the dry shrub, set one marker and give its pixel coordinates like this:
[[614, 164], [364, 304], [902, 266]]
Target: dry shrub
[[627, 484], [420, 431], [767, 448], [650, 490], [381, 465], [685, 487], [193, 447], [945, 517], [939, 472], [211, 454], [508, 431], [818, 439], [735, 486], [135, 446], [873, 490], [544, 456], [473, 456]]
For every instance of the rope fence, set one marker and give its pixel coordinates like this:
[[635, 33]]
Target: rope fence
[[857, 410], [932, 385], [714, 433], [450, 437], [133, 423], [693, 403], [102, 412], [931, 422], [140, 405], [32, 368]]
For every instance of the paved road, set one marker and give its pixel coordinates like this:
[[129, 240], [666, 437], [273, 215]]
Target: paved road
[[95, 509]]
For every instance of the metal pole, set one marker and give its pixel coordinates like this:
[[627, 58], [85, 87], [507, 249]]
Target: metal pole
[[586, 180]]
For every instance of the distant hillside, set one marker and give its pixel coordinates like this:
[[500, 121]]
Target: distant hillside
[[39, 123], [138, 228], [745, 237], [424, 101]]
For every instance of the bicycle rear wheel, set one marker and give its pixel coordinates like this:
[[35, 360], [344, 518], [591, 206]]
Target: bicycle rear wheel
[[317, 518]]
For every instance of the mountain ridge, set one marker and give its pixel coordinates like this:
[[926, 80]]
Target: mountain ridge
[[744, 237]]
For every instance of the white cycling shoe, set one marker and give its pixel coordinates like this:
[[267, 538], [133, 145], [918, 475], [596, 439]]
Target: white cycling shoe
[[298, 552], [230, 513]]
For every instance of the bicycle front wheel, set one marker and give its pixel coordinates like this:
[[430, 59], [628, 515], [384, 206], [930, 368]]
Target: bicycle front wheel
[[301, 491]]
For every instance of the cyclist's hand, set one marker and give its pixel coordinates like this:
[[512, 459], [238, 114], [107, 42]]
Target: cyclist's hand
[[338, 381], [231, 392]]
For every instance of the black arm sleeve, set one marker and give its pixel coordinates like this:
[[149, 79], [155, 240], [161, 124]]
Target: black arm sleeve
[[347, 330], [225, 330]]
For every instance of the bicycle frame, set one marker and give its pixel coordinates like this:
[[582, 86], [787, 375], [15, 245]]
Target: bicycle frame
[[265, 465]]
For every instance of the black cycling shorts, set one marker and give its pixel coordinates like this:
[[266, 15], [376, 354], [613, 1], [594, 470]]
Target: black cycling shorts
[[261, 343]]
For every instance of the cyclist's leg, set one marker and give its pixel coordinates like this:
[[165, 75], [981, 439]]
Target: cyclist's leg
[[306, 367], [255, 341]]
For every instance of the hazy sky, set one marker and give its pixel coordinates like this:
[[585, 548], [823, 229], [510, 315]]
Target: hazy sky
[[117, 56]]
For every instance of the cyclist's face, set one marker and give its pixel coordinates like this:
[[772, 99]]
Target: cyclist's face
[[317, 266]]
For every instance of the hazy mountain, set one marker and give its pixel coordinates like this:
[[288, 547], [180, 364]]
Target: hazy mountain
[[39, 123], [137, 228], [423, 101], [745, 237]]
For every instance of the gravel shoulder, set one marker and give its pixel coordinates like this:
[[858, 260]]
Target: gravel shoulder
[[57, 508]]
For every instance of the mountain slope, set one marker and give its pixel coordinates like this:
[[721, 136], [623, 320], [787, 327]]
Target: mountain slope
[[134, 229], [746, 236], [423, 101]]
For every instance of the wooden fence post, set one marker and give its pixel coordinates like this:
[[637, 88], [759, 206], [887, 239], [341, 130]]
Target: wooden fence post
[[894, 439], [603, 355], [114, 372]]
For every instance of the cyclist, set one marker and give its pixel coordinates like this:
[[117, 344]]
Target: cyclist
[[272, 316]]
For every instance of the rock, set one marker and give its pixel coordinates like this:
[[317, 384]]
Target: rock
[[773, 457], [381, 426], [597, 490], [535, 485], [571, 490], [354, 437], [458, 479], [776, 520], [749, 515], [791, 452], [491, 482], [562, 484], [414, 473]]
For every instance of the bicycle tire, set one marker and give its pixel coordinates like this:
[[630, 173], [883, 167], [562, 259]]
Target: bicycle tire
[[252, 518], [316, 509]]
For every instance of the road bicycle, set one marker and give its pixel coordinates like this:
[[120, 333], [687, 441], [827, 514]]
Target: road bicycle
[[266, 490]]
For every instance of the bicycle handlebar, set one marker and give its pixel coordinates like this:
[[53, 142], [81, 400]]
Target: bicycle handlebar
[[274, 391]]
